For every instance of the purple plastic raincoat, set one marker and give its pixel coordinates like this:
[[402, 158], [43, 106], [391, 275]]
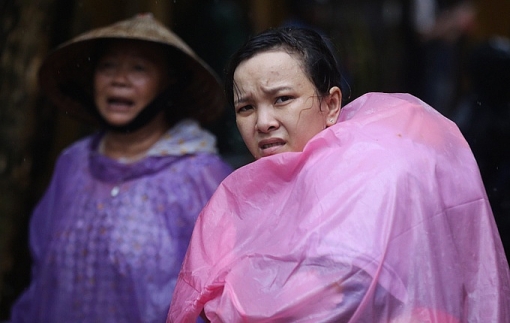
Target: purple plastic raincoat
[[108, 238], [382, 218]]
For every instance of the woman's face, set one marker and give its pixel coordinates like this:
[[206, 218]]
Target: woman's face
[[276, 105], [127, 78]]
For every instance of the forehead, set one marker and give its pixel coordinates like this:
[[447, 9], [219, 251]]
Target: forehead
[[269, 73], [270, 64]]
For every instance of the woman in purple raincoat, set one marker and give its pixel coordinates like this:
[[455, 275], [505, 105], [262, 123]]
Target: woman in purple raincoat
[[110, 233], [375, 213]]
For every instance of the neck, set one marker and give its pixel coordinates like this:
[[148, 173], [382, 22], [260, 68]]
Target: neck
[[134, 145]]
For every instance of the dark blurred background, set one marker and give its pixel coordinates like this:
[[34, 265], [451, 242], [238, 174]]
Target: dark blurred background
[[453, 54]]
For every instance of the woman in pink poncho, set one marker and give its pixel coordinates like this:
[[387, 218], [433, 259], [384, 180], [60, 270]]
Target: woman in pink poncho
[[376, 213]]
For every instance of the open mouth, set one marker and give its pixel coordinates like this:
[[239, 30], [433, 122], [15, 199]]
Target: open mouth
[[270, 145], [120, 102]]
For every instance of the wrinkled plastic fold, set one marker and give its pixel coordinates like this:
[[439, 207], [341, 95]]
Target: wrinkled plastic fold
[[382, 218]]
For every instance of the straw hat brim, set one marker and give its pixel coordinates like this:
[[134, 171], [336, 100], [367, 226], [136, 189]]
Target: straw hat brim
[[66, 74]]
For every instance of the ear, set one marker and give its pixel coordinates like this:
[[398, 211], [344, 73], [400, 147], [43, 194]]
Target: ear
[[333, 105]]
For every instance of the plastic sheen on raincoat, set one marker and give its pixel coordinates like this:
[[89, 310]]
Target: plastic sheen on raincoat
[[382, 218]]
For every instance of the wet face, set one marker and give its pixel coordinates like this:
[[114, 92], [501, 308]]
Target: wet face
[[127, 78], [276, 105]]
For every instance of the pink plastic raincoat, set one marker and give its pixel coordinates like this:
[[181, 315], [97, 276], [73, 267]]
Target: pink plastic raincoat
[[382, 218]]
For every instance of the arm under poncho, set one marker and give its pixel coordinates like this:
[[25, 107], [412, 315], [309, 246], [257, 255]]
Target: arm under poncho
[[382, 218]]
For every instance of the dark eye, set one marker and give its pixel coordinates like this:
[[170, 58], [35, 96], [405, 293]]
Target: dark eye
[[283, 98], [105, 65], [139, 67], [244, 108]]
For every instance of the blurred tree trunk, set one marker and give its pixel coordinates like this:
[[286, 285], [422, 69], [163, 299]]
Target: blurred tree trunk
[[24, 41], [266, 13], [493, 18]]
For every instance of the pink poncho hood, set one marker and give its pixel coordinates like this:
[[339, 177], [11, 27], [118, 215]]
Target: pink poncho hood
[[382, 218]]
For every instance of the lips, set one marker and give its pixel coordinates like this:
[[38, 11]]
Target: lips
[[271, 146], [266, 146]]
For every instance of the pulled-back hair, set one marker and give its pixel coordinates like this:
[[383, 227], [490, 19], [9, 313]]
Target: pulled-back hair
[[317, 60]]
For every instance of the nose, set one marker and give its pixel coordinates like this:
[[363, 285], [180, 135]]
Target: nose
[[266, 120], [120, 76]]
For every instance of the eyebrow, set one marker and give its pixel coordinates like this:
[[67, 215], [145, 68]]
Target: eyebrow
[[240, 100], [271, 91]]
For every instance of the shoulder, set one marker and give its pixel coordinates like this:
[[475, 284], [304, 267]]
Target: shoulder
[[75, 154], [80, 147], [196, 172], [200, 162], [399, 126]]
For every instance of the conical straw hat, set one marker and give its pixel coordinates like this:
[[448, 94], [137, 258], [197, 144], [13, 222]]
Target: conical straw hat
[[66, 74]]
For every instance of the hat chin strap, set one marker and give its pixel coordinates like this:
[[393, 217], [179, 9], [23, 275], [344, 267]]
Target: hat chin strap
[[160, 103]]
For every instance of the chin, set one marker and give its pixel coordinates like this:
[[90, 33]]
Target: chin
[[118, 123]]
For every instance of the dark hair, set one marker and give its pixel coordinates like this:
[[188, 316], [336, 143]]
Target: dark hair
[[318, 61]]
